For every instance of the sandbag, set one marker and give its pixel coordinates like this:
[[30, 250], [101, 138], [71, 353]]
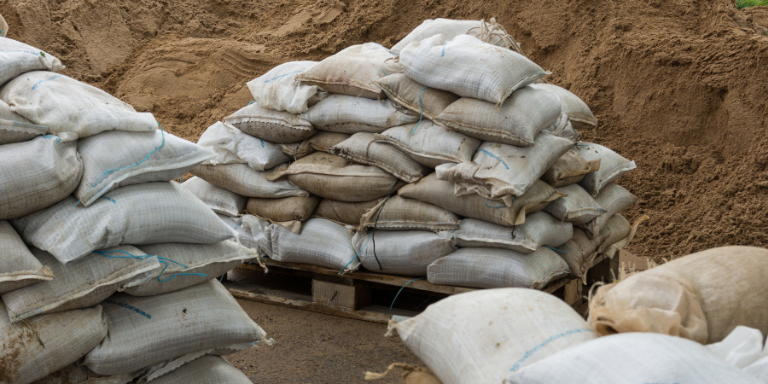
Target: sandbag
[[205, 370], [570, 168], [342, 212], [399, 213], [612, 166], [289, 212], [498, 268], [449, 29], [441, 193], [350, 114], [501, 172], [273, 126], [279, 90], [468, 67], [540, 229], [621, 234], [577, 110], [116, 159], [431, 144], [427, 102], [14, 128], [576, 206], [517, 122], [701, 297], [233, 146], [580, 252], [613, 198], [363, 148], [45, 344], [491, 332], [218, 199], [186, 265], [148, 213], [321, 242], [632, 358], [351, 72], [64, 104], [147, 330], [406, 253], [17, 58], [80, 284], [334, 177], [38, 173], [19, 267], [322, 141], [252, 232], [245, 181]]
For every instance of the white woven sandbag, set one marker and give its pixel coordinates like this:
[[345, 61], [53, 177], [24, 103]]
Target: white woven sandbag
[[425, 101], [279, 90], [80, 284], [351, 72], [476, 337], [570, 168], [441, 193], [218, 199], [632, 358], [334, 177], [468, 67], [540, 229], [406, 253], [245, 181], [64, 104], [612, 166], [233, 146], [577, 206], [48, 343], [38, 173], [400, 213], [3, 27], [501, 172], [447, 27], [517, 122], [252, 232], [363, 148], [322, 141], [350, 114], [17, 58], [288, 212], [185, 265], [116, 159], [614, 199], [431, 144], [205, 370], [581, 250], [14, 128], [321, 242], [273, 126], [498, 268], [147, 330], [149, 213], [577, 110], [342, 212], [19, 268]]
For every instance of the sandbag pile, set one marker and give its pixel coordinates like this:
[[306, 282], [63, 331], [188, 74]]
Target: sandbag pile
[[104, 261]]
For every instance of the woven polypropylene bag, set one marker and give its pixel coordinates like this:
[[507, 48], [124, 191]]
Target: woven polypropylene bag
[[289, 212], [406, 253], [245, 181], [363, 148], [14, 128], [279, 90], [253, 233], [476, 337], [148, 330], [614, 199], [149, 213], [581, 250], [322, 141], [64, 104], [578, 111], [350, 114], [233, 146], [205, 370], [274, 126], [577, 206], [218, 199], [447, 27], [400, 214], [17, 58], [540, 229], [66, 337], [321, 242], [38, 173], [19, 267], [116, 159], [342, 212], [427, 102], [612, 166], [570, 168], [468, 67], [431, 144]]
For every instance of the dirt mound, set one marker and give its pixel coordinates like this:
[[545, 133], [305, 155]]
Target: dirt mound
[[678, 85]]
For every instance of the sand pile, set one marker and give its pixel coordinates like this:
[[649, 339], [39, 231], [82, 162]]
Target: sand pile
[[678, 86]]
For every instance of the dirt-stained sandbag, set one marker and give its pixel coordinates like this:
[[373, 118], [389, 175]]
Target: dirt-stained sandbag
[[342, 212], [578, 111], [289, 212], [577, 206], [406, 253], [233, 146], [321, 242], [218, 199], [18, 58], [431, 144], [14, 128], [363, 148], [252, 232], [274, 126], [540, 229], [322, 141], [621, 234], [205, 370], [570, 168], [614, 199], [612, 166], [19, 268], [245, 181], [701, 297], [350, 114], [427, 102], [279, 90], [580, 252], [399, 213]]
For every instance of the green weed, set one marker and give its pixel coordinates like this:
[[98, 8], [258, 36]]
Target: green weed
[[740, 4]]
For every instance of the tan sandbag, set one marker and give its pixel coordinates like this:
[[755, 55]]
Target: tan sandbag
[[245, 181], [274, 126], [431, 144], [577, 206], [621, 234], [400, 213], [350, 115], [322, 141], [342, 212], [419, 98], [570, 168], [614, 199], [580, 252], [441, 193], [701, 297], [289, 212], [540, 229], [334, 177], [612, 166], [362, 148], [577, 110]]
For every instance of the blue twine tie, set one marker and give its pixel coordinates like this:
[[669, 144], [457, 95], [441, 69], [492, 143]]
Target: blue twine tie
[[356, 254], [421, 107], [398, 294], [567, 249], [160, 259]]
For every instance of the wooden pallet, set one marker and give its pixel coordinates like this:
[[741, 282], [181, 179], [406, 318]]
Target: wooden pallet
[[354, 295]]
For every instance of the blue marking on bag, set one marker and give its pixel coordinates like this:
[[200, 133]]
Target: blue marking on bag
[[58, 140], [54, 77], [443, 54], [567, 248], [108, 198], [500, 206], [495, 157], [421, 107], [287, 74], [546, 342], [130, 307]]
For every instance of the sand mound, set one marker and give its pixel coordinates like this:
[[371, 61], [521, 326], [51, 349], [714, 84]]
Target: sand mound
[[679, 86]]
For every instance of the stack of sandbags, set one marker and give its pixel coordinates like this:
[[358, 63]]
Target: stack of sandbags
[[88, 210]]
